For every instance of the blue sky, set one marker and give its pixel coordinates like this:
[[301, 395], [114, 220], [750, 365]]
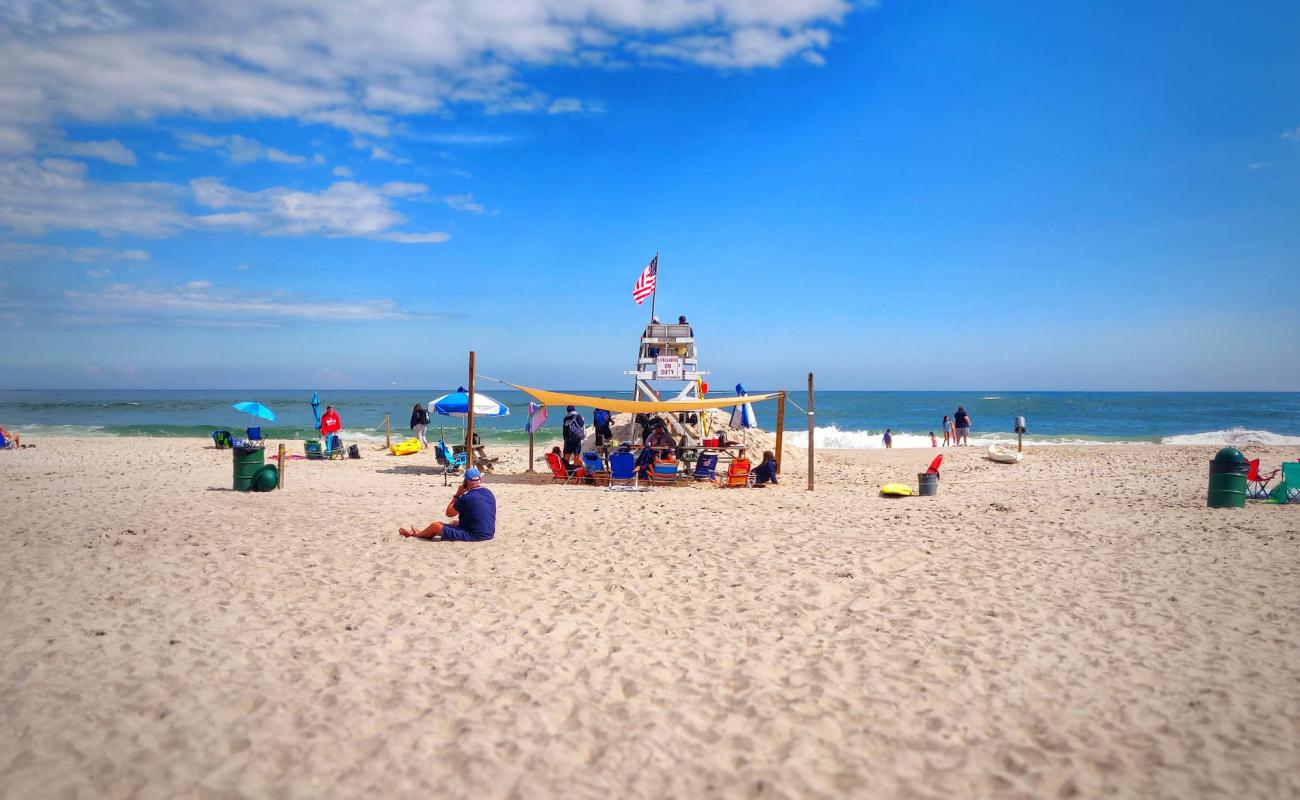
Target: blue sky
[[906, 195]]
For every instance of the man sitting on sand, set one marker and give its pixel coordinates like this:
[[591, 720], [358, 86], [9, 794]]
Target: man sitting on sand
[[477, 507]]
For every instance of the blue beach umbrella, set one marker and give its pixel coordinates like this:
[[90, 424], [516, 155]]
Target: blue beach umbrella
[[315, 407], [256, 409], [456, 404]]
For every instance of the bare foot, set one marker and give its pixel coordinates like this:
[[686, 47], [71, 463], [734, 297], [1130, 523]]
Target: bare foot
[[405, 532]]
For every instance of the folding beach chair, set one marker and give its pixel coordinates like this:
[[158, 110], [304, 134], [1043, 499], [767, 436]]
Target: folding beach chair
[[622, 468], [560, 472], [1288, 491], [737, 474], [6, 444], [254, 435], [334, 447], [934, 466], [706, 467], [591, 462], [1257, 484], [663, 472], [450, 461]]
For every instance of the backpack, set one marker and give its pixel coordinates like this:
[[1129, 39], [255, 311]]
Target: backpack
[[573, 427], [601, 417]]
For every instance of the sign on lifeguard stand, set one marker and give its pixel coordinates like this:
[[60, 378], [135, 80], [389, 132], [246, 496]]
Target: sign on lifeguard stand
[[669, 368]]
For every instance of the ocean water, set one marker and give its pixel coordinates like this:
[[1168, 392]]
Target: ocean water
[[844, 419]]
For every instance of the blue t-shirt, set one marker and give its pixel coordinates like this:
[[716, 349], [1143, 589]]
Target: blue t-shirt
[[478, 512]]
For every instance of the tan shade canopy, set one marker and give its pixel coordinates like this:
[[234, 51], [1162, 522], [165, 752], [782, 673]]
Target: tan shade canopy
[[639, 406]]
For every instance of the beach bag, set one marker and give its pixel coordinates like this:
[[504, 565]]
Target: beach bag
[[354, 451]]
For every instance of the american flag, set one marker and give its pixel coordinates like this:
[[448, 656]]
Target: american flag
[[645, 285]]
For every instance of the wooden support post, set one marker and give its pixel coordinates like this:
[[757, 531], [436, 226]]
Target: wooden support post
[[388, 433], [279, 481], [780, 429], [469, 424], [531, 434], [1020, 442], [811, 423]]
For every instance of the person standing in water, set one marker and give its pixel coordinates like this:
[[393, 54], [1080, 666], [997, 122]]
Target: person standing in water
[[889, 439], [961, 422], [947, 431]]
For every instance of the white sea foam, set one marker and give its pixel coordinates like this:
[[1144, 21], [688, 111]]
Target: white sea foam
[[832, 438], [1234, 437]]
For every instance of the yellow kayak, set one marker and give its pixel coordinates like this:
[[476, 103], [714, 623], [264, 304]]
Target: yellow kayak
[[896, 490], [406, 448]]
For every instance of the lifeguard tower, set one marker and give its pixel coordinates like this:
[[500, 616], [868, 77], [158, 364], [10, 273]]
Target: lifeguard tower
[[668, 355]]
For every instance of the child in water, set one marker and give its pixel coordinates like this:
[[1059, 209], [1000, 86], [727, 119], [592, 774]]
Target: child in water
[[933, 441], [889, 440]]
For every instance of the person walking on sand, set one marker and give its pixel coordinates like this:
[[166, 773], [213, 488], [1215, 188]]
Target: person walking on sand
[[961, 422], [947, 431], [420, 424], [889, 439], [473, 510]]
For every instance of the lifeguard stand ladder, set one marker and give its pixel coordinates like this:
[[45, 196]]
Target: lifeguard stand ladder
[[668, 355]]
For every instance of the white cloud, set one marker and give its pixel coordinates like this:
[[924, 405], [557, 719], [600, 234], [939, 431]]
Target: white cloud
[[239, 149], [1293, 134], [244, 267], [356, 68], [413, 238], [55, 194], [564, 105], [342, 209], [199, 303], [463, 202], [342, 172], [99, 273], [23, 251], [111, 151]]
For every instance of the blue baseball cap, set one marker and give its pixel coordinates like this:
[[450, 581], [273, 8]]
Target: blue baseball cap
[[472, 474]]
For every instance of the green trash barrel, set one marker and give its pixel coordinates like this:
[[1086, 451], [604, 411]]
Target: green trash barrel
[[248, 460], [1228, 479]]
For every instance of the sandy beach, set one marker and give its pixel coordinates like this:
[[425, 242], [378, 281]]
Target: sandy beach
[[1077, 625]]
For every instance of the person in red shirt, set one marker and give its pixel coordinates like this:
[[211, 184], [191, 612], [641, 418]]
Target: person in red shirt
[[330, 424]]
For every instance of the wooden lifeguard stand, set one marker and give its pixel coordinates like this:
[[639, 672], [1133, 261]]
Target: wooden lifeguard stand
[[668, 354]]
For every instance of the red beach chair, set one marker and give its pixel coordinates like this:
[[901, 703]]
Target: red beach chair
[[560, 474], [1257, 484]]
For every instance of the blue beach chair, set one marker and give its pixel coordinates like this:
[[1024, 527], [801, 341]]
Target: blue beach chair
[[622, 467], [705, 467], [592, 463], [255, 434], [450, 461]]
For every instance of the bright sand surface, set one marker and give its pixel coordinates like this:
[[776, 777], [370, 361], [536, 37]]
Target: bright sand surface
[[1079, 624]]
